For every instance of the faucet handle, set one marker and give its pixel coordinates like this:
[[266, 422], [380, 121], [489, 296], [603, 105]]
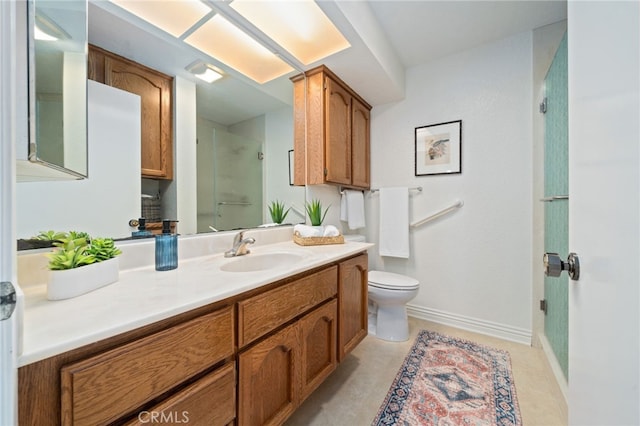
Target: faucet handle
[[239, 237]]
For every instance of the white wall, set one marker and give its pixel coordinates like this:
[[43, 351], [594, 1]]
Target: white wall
[[103, 203], [279, 140], [185, 172], [474, 265]]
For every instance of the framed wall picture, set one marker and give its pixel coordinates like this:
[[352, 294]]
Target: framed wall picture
[[438, 149]]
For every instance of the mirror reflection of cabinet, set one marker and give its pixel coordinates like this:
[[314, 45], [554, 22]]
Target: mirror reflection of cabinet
[[57, 41], [154, 89]]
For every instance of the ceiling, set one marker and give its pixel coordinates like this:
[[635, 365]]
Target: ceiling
[[386, 36], [401, 34], [422, 31]]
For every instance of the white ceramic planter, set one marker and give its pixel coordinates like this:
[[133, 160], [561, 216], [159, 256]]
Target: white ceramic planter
[[74, 282]]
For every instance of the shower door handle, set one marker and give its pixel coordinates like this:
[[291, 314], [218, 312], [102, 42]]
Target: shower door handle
[[553, 265]]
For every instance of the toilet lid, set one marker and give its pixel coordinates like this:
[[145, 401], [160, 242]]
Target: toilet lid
[[392, 281]]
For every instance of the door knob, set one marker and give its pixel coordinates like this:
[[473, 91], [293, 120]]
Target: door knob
[[553, 265]]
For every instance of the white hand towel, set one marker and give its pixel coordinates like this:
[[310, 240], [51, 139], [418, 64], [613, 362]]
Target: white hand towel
[[344, 215], [394, 222], [308, 231], [352, 208], [330, 231]]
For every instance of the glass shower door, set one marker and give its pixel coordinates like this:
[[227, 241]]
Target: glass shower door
[[237, 181], [556, 213]]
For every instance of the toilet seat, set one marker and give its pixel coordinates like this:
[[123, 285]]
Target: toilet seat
[[391, 281]]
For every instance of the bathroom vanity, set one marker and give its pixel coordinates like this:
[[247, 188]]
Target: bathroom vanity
[[217, 341]]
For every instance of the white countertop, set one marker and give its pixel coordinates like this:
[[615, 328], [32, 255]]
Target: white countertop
[[143, 296]]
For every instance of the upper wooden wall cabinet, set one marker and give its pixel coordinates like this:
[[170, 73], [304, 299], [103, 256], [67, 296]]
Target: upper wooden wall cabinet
[[155, 91], [335, 123]]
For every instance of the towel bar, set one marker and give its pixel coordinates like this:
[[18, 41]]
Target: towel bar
[[434, 216], [233, 203], [415, 188]]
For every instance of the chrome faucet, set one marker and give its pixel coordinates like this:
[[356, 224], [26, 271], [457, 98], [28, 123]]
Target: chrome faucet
[[240, 245]]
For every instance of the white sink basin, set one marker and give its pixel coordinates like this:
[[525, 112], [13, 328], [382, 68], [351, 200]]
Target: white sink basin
[[260, 262]]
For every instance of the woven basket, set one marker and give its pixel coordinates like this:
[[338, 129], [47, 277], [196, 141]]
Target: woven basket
[[316, 241]]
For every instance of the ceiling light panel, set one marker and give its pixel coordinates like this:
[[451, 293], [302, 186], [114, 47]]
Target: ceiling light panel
[[205, 72], [222, 40], [174, 17], [298, 26]]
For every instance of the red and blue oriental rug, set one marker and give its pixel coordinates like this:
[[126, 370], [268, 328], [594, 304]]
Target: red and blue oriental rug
[[449, 381]]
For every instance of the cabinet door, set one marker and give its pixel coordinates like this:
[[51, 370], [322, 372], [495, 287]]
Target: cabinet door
[[155, 97], [338, 133], [210, 401], [352, 308], [319, 339], [269, 379], [360, 157]]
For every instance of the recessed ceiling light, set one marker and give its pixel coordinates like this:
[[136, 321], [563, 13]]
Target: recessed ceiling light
[[205, 72]]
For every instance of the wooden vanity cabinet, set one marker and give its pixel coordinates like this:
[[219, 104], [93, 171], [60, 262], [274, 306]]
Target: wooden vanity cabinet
[[174, 363], [331, 131], [352, 304], [281, 371], [277, 373], [249, 360], [155, 91], [104, 388]]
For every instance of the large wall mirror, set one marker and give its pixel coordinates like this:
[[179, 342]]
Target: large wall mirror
[[57, 89], [244, 135]]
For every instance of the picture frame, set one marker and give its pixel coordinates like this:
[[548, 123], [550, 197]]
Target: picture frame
[[438, 149]]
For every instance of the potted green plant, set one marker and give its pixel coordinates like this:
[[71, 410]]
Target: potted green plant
[[277, 211], [314, 210], [80, 264]]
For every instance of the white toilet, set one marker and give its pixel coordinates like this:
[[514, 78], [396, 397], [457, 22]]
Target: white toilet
[[388, 295]]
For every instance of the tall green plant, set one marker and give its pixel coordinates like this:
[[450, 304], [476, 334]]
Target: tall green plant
[[277, 212], [314, 210]]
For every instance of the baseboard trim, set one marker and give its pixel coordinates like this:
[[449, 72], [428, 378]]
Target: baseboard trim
[[555, 366], [506, 332]]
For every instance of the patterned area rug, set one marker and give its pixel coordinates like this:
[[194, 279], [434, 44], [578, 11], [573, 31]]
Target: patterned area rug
[[449, 381]]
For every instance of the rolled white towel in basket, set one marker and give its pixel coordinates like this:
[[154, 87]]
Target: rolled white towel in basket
[[306, 231], [330, 231]]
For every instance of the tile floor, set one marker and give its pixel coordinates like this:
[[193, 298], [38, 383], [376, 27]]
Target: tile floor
[[352, 395]]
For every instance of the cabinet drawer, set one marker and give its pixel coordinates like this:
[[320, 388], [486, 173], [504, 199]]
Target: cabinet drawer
[[105, 387], [211, 401], [260, 314]]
